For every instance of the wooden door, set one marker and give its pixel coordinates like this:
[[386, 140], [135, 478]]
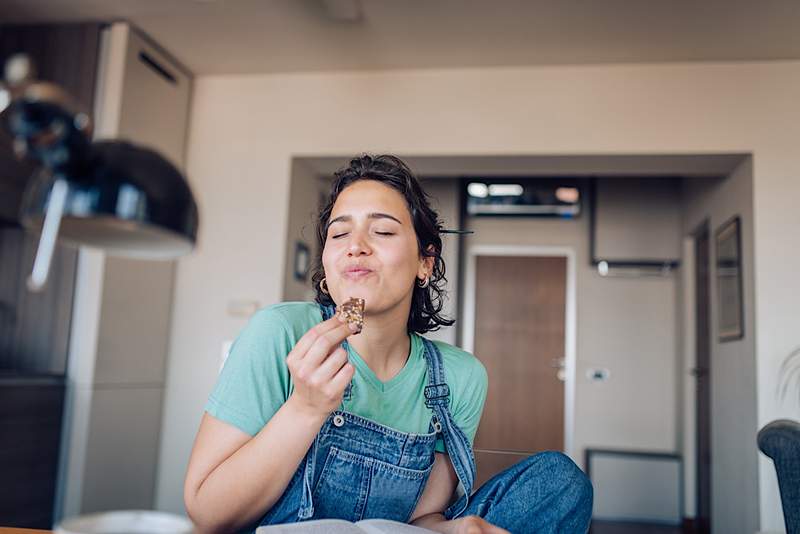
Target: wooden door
[[520, 306], [702, 373]]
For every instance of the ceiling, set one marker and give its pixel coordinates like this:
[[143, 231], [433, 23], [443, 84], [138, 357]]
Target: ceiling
[[684, 165], [270, 36]]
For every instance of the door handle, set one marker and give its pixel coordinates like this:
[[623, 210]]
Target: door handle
[[560, 364]]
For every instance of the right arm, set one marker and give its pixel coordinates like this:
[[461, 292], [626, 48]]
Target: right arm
[[233, 479]]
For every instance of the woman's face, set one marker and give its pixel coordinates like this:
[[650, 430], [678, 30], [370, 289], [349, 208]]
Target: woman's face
[[371, 248]]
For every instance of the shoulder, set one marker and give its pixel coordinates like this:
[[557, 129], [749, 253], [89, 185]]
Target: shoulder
[[289, 318], [462, 368], [469, 384]]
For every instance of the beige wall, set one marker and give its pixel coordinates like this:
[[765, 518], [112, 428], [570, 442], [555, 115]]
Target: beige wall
[[734, 420], [246, 129], [306, 187], [630, 226], [627, 325], [444, 199]]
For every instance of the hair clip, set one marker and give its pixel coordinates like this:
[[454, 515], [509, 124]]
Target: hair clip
[[460, 232]]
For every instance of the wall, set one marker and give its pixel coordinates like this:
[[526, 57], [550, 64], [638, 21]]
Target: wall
[[248, 128], [630, 226], [734, 421], [306, 188], [626, 325], [444, 200]]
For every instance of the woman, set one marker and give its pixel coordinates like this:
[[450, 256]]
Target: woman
[[311, 420]]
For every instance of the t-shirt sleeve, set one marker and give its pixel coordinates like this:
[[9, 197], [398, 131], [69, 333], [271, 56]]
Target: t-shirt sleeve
[[468, 407], [254, 382]]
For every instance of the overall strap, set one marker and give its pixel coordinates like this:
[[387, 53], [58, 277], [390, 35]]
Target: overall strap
[[437, 394]]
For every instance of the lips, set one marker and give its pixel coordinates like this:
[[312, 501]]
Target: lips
[[357, 273]]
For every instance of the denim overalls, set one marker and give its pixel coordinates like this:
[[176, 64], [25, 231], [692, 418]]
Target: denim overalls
[[359, 469]]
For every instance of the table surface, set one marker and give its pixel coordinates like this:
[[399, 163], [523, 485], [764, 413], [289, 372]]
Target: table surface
[[12, 530]]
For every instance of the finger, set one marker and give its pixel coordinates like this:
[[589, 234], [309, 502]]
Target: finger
[[343, 377], [328, 369], [309, 338], [325, 345]]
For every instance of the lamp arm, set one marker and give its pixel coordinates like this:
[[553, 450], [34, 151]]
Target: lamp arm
[[46, 127], [47, 241]]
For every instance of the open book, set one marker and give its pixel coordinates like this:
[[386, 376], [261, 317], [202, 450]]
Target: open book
[[339, 526]]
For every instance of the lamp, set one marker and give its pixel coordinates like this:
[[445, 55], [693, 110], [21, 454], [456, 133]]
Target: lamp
[[124, 199]]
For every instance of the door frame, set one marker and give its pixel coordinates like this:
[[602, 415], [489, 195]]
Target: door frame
[[570, 320], [692, 400]]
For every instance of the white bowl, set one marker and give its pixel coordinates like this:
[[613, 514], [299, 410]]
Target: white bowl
[[126, 522]]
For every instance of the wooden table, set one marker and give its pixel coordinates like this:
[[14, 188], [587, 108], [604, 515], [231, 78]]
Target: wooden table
[[12, 530]]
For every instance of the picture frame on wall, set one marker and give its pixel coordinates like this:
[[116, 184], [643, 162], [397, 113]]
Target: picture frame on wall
[[728, 244], [302, 259]]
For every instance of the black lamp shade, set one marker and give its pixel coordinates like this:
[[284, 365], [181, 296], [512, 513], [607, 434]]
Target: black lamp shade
[[125, 199]]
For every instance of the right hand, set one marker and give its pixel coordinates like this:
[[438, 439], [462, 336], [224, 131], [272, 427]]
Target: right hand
[[319, 367]]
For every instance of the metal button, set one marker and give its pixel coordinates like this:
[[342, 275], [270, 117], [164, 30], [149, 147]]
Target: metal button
[[437, 426], [338, 420]]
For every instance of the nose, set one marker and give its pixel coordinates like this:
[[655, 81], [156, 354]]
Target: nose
[[358, 244]]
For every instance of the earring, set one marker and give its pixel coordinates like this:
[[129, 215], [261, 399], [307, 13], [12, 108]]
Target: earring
[[424, 283], [323, 286]]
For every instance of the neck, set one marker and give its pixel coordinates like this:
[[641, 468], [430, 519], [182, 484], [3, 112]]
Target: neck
[[384, 343]]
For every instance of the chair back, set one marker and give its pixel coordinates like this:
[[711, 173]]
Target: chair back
[[780, 440]]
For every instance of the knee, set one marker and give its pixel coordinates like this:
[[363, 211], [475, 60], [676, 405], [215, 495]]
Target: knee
[[572, 482]]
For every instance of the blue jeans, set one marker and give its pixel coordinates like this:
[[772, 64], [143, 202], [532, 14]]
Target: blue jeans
[[544, 493]]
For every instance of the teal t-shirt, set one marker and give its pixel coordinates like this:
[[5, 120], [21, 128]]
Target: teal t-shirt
[[255, 381]]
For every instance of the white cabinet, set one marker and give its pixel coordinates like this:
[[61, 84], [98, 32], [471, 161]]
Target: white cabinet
[[120, 332]]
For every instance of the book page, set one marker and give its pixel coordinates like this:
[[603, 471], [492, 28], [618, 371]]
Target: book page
[[384, 526], [319, 526]]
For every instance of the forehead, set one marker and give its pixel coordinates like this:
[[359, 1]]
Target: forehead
[[366, 196]]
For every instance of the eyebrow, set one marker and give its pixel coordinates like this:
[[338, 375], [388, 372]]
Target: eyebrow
[[348, 218]]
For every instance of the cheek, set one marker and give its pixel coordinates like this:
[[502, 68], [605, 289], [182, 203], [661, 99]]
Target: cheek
[[327, 259], [402, 258]]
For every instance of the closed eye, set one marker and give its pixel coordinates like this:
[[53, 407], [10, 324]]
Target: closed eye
[[337, 236], [385, 233]]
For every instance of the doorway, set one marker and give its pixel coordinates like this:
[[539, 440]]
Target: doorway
[[519, 314]]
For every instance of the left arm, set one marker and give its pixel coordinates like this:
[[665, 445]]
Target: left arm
[[436, 497], [437, 493]]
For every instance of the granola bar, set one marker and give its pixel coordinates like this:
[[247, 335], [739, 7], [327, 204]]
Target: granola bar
[[352, 311]]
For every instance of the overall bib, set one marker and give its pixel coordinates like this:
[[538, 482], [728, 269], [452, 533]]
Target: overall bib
[[360, 469]]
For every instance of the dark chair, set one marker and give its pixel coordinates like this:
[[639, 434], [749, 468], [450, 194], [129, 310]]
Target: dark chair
[[780, 440]]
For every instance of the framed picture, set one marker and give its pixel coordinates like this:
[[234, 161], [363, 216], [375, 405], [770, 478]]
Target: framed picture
[[729, 280], [302, 258]]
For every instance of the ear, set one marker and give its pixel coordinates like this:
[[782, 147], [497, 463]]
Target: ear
[[426, 264]]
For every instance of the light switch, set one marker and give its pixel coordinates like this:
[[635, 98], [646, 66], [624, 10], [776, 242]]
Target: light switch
[[598, 374]]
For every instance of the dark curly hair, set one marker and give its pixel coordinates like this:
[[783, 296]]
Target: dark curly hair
[[426, 303]]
